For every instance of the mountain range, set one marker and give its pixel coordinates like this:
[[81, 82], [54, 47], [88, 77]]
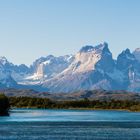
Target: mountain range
[[92, 68]]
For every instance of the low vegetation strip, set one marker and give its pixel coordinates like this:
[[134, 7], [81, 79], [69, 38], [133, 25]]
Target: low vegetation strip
[[45, 103]]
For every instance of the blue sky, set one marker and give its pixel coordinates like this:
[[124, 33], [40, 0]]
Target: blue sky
[[33, 28]]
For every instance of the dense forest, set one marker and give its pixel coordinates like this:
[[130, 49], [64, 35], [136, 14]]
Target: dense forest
[[4, 105], [28, 102]]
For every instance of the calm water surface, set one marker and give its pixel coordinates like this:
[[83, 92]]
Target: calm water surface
[[70, 124]]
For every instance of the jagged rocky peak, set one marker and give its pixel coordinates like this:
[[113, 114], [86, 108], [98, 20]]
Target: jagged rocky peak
[[105, 48], [126, 54], [42, 59], [3, 60], [39, 61], [98, 48], [136, 53], [49, 66], [125, 60], [22, 68], [102, 46], [5, 64], [127, 51], [11, 67], [86, 48], [106, 63], [86, 59], [137, 50], [50, 59]]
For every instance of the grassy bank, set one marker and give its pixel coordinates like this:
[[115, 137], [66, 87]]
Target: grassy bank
[[28, 102]]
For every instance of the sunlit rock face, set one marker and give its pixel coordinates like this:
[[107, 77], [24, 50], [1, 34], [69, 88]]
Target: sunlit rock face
[[89, 70]]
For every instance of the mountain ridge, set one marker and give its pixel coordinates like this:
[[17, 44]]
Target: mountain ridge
[[93, 67]]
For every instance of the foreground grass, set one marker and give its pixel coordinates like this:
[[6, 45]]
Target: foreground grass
[[44, 103]]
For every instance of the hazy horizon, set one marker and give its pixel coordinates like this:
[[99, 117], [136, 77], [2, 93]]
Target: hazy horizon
[[31, 29]]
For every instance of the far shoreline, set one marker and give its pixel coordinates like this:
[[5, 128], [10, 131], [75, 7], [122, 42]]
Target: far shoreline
[[85, 109], [84, 104]]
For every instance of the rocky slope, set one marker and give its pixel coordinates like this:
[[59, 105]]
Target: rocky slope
[[79, 95]]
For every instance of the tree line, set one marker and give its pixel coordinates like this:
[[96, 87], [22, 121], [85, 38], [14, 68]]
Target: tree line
[[29, 102], [7, 103]]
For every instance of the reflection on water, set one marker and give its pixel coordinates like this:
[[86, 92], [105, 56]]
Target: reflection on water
[[38, 124]]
